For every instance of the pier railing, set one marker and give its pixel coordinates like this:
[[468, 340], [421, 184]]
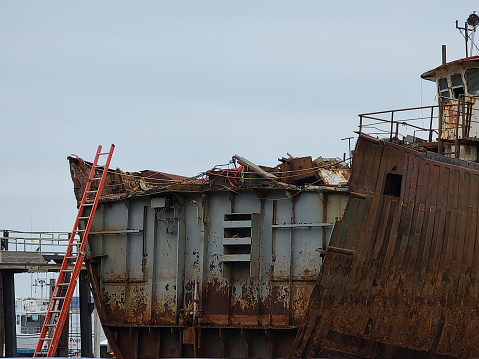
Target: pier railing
[[45, 243]]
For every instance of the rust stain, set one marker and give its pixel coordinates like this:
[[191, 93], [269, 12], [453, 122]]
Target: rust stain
[[113, 298]]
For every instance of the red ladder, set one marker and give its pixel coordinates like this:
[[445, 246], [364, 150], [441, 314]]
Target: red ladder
[[72, 262]]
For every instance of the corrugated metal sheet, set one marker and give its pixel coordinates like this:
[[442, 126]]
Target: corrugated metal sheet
[[334, 178]]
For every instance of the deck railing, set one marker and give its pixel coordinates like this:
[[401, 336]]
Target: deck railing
[[393, 124], [449, 122]]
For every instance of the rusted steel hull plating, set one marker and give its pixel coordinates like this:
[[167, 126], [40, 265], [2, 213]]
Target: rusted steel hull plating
[[205, 270], [404, 281]]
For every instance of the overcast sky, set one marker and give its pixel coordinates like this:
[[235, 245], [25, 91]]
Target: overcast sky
[[181, 86]]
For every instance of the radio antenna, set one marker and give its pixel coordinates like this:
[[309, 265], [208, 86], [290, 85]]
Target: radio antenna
[[469, 30]]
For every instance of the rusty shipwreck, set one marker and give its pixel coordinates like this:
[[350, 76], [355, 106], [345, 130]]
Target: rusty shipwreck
[[220, 265], [305, 259], [406, 283]]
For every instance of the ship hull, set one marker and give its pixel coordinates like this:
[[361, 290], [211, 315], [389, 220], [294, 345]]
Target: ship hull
[[404, 282], [223, 269]]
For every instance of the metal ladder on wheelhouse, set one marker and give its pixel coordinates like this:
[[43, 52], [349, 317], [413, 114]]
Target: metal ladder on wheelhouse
[[72, 262]]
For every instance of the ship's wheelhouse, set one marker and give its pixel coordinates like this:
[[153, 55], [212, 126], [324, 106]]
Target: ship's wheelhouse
[[456, 81], [458, 90], [456, 78]]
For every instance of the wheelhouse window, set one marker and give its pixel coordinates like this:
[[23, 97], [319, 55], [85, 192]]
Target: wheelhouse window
[[457, 86], [443, 88], [472, 81]]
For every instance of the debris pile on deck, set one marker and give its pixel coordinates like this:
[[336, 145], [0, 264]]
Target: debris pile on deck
[[294, 173]]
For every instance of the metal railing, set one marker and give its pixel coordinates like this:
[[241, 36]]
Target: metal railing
[[45, 243], [390, 124], [446, 123]]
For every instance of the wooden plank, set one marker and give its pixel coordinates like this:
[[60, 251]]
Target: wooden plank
[[440, 223], [384, 165], [458, 257], [352, 236], [410, 230], [384, 254], [389, 253], [348, 219], [472, 231], [417, 243], [352, 229], [362, 233]]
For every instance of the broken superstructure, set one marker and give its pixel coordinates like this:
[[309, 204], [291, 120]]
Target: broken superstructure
[[218, 265]]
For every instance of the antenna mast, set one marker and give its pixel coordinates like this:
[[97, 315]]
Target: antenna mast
[[469, 30]]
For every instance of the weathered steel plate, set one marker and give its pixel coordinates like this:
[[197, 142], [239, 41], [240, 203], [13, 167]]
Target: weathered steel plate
[[406, 283]]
